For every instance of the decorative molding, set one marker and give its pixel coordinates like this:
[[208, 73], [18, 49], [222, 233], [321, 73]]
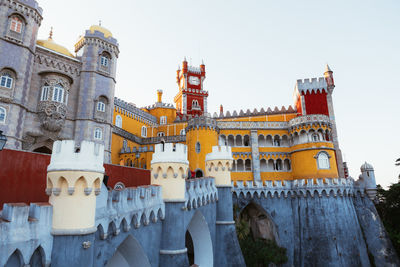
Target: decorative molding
[[245, 125]]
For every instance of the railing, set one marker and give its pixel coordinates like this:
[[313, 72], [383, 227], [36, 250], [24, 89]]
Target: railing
[[308, 119], [166, 139]]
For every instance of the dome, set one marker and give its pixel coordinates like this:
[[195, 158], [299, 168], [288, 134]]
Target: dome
[[366, 167], [50, 44], [98, 28]]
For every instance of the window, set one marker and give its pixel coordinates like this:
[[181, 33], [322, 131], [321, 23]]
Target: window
[[315, 137], [101, 106], [195, 104], [323, 160], [161, 134], [197, 147], [163, 120], [182, 132], [98, 134], [45, 93], [16, 24], [58, 94], [144, 131], [6, 80], [104, 61], [3, 114], [118, 121]]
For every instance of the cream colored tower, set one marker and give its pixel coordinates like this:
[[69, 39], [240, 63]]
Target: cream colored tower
[[74, 178], [169, 168], [219, 165]]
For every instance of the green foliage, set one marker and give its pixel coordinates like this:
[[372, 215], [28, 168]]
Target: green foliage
[[388, 207], [261, 252]]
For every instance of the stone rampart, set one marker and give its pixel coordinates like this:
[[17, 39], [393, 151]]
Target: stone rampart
[[25, 229], [200, 192], [130, 207]]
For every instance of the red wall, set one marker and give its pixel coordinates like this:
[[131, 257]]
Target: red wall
[[316, 103], [23, 176]]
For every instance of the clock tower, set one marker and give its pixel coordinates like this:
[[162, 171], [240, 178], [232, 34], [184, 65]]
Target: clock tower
[[191, 99]]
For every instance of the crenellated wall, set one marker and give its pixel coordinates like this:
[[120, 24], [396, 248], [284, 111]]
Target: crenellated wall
[[25, 233]]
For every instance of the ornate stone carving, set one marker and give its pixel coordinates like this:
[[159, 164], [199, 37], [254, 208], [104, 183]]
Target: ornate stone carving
[[51, 113]]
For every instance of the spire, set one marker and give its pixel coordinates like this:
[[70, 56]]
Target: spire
[[184, 59], [327, 69], [51, 33], [202, 62]]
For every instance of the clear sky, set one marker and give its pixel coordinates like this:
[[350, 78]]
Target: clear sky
[[254, 52]]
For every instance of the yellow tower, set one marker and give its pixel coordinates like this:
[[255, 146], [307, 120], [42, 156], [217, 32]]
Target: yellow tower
[[74, 178], [169, 168], [201, 135]]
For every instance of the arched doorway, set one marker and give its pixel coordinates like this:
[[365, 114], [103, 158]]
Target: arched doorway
[[198, 241], [199, 173], [129, 254], [43, 149]]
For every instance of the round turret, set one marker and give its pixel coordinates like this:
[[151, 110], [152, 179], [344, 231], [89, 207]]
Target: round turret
[[169, 168], [74, 178], [219, 165], [201, 135], [366, 167], [367, 180]]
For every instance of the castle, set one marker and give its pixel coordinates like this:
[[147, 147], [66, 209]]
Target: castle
[[284, 163]]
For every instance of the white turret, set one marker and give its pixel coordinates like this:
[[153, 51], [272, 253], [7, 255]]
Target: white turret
[[219, 165], [169, 168], [367, 180], [74, 178]]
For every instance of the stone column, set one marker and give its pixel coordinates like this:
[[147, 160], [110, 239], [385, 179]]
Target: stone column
[[335, 140], [169, 167], [74, 179], [255, 154], [218, 165]]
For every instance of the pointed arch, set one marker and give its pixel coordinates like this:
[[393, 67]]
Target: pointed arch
[[15, 259], [129, 253]]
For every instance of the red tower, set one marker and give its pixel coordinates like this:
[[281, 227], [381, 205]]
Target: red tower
[[191, 98], [313, 96]]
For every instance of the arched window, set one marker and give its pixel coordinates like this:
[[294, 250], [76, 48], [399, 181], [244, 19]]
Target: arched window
[[101, 106], [118, 121], [247, 165], [278, 165], [3, 115], [323, 160], [98, 134], [277, 140], [105, 60], [197, 147], [183, 132], [144, 131], [163, 120], [160, 134], [315, 137], [45, 93], [16, 24], [58, 93], [6, 80]]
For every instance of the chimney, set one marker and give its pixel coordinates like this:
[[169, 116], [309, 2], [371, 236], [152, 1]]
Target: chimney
[[159, 96]]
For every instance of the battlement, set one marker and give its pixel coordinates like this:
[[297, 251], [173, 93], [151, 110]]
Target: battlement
[[131, 207], [298, 188], [25, 228], [220, 153], [194, 69], [200, 192], [309, 120], [202, 122], [133, 111], [255, 112], [313, 85], [170, 152], [67, 156]]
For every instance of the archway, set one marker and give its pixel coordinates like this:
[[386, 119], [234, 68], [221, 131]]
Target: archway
[[198, 241], [43, 149], [261, 225], [129, 254], [15, 259], [37, 258], [199, 173]]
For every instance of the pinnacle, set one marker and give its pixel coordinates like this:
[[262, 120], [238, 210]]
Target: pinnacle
[[327, 68]]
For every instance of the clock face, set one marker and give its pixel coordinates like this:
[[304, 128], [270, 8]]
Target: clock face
[[194, 80]]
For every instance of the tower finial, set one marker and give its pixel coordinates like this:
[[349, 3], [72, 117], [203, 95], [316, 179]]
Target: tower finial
[[327, 68], [184, 58], [51, 33]]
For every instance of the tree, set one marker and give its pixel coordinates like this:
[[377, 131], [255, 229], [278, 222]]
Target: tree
[[388, 207]]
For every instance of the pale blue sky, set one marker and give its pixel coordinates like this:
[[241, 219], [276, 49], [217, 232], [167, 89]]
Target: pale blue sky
[[254, 52]]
